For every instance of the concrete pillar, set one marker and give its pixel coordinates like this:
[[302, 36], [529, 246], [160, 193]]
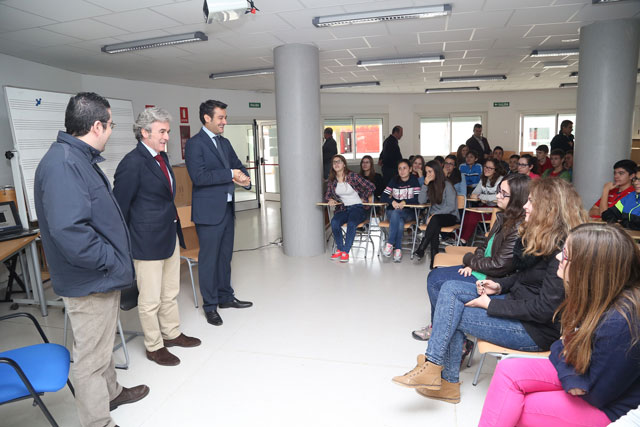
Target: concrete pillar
[[297, 78], [606, 95]]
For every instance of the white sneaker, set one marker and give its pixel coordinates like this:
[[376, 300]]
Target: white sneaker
[[388, 248], [397, 255]]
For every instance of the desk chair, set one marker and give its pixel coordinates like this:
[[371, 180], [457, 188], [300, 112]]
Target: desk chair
[[499, 352], [408, 225], [29, 372], [128, 300], [363, 231], [461, 201], [190, 254]]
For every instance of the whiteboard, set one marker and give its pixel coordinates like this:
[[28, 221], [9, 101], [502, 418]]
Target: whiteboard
[[36, 116]]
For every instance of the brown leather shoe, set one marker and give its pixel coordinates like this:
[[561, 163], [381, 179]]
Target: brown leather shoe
[[449, 392], [163, 357], [129, 395], [183, 341]]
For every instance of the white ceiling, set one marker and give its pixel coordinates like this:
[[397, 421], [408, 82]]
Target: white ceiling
[[480, 37]]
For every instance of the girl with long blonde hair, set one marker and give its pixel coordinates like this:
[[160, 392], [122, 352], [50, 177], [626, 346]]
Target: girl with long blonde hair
[[592, 376]]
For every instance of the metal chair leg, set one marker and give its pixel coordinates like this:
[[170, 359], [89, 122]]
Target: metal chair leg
[[473, 351], [193, 284], [475, 379]]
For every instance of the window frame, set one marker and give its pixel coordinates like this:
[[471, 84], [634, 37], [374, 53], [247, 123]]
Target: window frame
[[353, 156], [556, 113], [450, 116]]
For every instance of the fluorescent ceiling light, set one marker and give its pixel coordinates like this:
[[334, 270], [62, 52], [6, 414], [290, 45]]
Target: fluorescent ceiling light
[[565, 85], [382, 15], [155, 42], [356, 84], [245, 73], [472, 78], [604, 1], [452, 89], [555, 65], [400, 61], [554, 52], [570, 40]]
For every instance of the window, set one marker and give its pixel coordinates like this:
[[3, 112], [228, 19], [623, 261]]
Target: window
[[441, 135], [538, 129], [357, 137]]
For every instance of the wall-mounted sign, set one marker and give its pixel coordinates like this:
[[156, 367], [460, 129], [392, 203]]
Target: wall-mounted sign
[[185, 134], [255, 105], [501, 104], [149, 106], [184, 115]]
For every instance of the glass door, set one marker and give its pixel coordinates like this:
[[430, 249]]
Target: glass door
[[243, 142], [269, 162]]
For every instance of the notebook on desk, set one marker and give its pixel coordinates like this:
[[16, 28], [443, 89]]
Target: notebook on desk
[[10, 224]]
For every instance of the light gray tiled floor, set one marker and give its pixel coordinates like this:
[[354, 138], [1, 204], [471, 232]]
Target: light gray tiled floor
[[319, 348]]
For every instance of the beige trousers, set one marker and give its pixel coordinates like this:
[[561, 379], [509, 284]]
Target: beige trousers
[[159, 284], [93, 320]]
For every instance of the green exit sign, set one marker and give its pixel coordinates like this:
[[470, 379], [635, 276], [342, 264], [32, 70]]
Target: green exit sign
[[255, 105], [501, 104]]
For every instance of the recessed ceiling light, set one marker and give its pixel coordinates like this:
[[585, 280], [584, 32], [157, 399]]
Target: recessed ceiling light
[[356, 84], [570, 40], [555, 65], [244, 73], [472, 78], [400, 61], [382, 15], [554, 52], [566, 85], [452, 89], [155, 42]]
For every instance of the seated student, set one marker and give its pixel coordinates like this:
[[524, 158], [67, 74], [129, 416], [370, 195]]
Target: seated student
[[568, 161], [461, 154], [485, 192], [528, 165], [452, 173], [513, 164], [471, 170], [346, 191], [497, 155], [591, 377], [516, 311], [623, 171], [627, 210], [402, 190], [494, 258], [368, 171], [557, 168], [443, 212], [417, 168], [544, 162]]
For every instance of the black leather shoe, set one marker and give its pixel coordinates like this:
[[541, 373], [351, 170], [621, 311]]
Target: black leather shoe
[[235, 303], [213, 317], [419, 254]]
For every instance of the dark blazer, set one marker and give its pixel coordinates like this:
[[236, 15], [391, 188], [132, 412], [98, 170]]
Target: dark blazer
[[210, 172], [147, 203], [329, 149], [390, 156], [473, 145]]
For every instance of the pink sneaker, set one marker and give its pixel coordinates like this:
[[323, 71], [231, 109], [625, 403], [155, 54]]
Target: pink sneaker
[[336, 255], [344, 257]]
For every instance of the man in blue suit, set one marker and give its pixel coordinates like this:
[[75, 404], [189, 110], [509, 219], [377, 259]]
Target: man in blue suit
[[144, 186], [214, 168]]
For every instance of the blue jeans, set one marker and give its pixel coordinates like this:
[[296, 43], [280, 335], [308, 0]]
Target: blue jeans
[[436, 279], [352, 216], [397, 218], [452, 320]]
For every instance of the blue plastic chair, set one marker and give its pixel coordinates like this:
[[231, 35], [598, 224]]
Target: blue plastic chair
[[28, 372]]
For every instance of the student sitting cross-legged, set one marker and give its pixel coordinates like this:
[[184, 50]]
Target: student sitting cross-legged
[[591, 377], [516, 311], [402, 190], [346, 191], [495, 258], [438, 191]]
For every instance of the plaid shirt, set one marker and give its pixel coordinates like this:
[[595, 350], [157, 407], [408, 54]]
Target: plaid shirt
[[360, 185]]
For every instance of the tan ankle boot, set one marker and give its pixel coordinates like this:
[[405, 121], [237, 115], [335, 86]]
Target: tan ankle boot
[[424, 375], [449, 392]]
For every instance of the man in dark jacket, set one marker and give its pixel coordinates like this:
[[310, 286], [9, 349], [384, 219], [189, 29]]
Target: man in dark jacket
[[391, 155], [479, 144], [144, 186], [329, 149], [88, 252], [564, 139]]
